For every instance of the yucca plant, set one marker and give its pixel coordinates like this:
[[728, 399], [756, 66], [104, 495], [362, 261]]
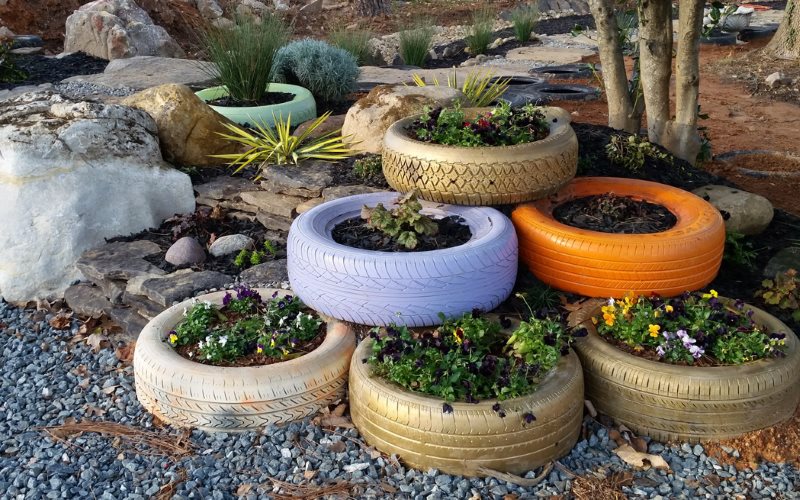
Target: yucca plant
[[278, 147], [242, 54], [480, 32], [415, 43], [480, 88], [524, 19], [354, 41]]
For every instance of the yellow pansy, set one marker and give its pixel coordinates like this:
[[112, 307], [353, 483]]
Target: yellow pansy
[[656, 314], [654, 329], [609, 319], [669, 308], [173, 338], [711, 293]]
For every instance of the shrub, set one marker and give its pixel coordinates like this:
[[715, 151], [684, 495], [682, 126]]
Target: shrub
[[480, 32], [524, 18], [632, 151], [368, 167], [243, 54], [328, 72], [404, 223], [355, 42], [415, 43]]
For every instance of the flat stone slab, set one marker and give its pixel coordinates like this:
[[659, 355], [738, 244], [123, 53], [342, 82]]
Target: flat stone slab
[[336, 192], [143, 306], [269, 272], [87, 300], [131, 322], [225, 188], [143, 72], [274, 222], [173, 288], [307, 181], [273, 203], [118, 261], [553, 55]]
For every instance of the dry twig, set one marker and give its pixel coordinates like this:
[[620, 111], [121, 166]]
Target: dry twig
[[130, 435], [290, 491]]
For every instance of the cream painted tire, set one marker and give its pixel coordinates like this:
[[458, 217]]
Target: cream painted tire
[[679, 403], [482, 175], [189, 394], [414, 427]]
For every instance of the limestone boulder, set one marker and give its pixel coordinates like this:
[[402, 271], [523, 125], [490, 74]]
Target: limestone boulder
[[116, 29], [188, 128], [369, 118], [71, 175], [747, 213]]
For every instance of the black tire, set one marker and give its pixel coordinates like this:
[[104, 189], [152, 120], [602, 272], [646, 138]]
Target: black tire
[[558, 92], [565, 71]]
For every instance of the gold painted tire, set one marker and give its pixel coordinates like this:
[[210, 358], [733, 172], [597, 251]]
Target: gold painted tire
[[414, 427], [482, 175], [682, 403]]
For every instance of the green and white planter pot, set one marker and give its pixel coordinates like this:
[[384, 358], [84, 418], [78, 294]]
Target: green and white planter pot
[[302, 108]]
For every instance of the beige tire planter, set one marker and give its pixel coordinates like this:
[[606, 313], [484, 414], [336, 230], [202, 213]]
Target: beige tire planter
[[189, 394], [491, 175], [473, 437], [684, 403]]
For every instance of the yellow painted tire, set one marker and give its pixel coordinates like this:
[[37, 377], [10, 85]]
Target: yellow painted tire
[[682, 403], [482, 175], [414, 427]]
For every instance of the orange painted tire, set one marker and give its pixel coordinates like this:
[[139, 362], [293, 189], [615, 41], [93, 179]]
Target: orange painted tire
[[685, 257]]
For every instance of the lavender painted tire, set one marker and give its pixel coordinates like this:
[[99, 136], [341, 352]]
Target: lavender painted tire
[[408, 288]]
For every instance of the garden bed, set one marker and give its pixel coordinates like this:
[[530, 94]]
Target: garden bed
[[42, 69]]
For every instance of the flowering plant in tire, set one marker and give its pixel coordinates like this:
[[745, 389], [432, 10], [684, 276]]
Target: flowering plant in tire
[[692, 328], [246, 330], [502, 126], [470, 358]]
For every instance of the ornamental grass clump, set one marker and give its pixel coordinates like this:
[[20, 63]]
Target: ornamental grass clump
[[524, 18], [242, 55], [480, 32], [690, 329], [471, 358], [502, 126], [355, 42], [246, 330], [415, 43]]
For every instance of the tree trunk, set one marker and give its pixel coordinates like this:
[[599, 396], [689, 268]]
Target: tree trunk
[[655, 58], [681, 137], [785, 44], [371, 8], [621, 112]]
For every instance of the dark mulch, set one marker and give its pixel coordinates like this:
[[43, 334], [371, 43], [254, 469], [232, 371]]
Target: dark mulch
[[544, 27], [357, 234], [252, 358], [41, 69], [608, 213], [202, 225], [343, 175], [267, 99]]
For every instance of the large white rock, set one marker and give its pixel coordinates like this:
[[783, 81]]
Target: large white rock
[[368, 119], [745, 213], [116, 29], [71, 175]]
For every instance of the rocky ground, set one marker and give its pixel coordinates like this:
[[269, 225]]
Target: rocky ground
[[73, 428]]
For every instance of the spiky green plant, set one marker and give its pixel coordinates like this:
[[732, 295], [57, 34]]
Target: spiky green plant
[[480, 32], [524, 18], [415, 43], [355, 42], [267, 147], [242, 54], [481, 89]]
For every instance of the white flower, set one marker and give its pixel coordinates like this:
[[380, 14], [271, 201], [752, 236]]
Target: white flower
[[207, 304], [611, 301], [209, 340], [191, 354], [201, 345], [185, 311], [223, 340], [282, 320]]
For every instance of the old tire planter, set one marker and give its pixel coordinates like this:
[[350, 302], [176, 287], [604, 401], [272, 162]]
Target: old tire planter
[[302, 108], [414, 427], [189, 394], [482, 175], [683, 403], [560, 92], [595, 264], [409, 288]]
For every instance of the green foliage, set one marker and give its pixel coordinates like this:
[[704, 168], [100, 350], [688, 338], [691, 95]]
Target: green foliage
[[243, 54], [246, 258], [631, 151], [415, 43], [355, 42], [480, 32], [9, 72], [540, 296], [783, 292], [245, 325], [330, 73], [404, 224], [502, 126], [689, 327], [469, 358], [738, 250], [368, 167], [267, 147], [715, 15], [524, 18], [481, 89]]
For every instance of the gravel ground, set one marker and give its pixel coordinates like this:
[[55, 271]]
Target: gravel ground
[[45, 379]]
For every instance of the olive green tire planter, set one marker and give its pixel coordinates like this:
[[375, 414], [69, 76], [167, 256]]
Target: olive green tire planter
[[684, 403], [302, 108], [491, 175], [473, 436], [189, 394]]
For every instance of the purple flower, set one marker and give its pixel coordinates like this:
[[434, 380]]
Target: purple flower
[[226, 299], [696, 351], [660, 351], [496, 407], [501, 414], [281, 305], [446, 408], [528, 417]]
